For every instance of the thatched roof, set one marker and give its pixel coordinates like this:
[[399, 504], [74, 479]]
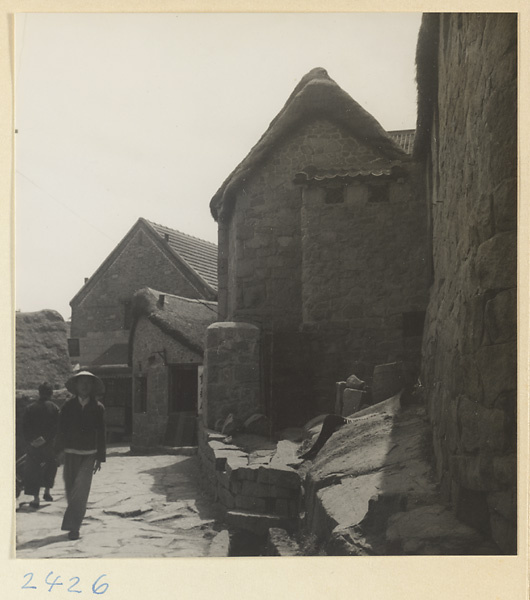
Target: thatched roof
[[41, 349], [426, 79], [183, 319], [316, 96]]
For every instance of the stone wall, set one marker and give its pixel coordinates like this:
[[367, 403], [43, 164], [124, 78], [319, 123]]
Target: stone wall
[[364, 267], [149, 428], [364, 270], [469, 347], [262, 244], [231, 373], [141, 263], [255, 496]]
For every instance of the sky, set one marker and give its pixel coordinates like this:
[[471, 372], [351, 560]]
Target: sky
[[121, 116]]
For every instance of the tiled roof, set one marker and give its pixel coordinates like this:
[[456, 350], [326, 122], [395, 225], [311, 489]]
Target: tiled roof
[[376, 168], [200, 255], [404, 138]]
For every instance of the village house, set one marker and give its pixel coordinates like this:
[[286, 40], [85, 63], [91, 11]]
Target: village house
[[322, 258], [166, 351], [149, 255]]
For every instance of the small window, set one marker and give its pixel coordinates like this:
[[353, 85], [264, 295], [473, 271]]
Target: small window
[[334, 195], [73, 347], [140, 394], [413, 323], [378, 192]]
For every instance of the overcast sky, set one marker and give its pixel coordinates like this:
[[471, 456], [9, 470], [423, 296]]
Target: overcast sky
[[126, 116]]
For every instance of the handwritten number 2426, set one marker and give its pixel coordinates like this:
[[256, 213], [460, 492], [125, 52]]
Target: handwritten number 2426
[[98, 587]]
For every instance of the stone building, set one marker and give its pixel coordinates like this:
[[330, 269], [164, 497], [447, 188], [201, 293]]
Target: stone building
[[149, 255], [166, 350], [322, 251], [467, 141]]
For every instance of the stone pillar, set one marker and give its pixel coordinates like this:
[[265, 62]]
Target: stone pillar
[[231, 372]]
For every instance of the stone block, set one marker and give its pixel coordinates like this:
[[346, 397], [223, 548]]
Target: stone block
[[496, 262], [387, 380], [248, 473], [492, 431], [286, 507], [505, 470], [469, 422], [233, 463], [474, 472], [255, 522], [505, 205], [281, 477], [251, 503], [351, 401], [500, 317], [497, 369]]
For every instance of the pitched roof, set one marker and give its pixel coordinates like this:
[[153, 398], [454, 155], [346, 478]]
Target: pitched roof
[[183, 319], [316, 96], [115, 355], [199, 254], [196, 257], [404, 138]]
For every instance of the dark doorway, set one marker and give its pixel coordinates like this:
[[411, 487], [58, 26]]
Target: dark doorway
[[182, 405], [183, 388], [117, 403]]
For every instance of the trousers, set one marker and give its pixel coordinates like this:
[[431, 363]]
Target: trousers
[[77, 473]]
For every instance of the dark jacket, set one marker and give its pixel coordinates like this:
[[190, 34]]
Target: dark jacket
[[82, 428], [40, 419]]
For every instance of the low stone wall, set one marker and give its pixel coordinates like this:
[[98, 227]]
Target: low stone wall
[[255, 496]]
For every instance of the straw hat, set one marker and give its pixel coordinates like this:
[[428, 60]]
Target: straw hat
[[98, 387]]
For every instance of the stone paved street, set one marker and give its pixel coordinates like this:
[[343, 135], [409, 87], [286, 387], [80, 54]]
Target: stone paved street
[[139, 506]]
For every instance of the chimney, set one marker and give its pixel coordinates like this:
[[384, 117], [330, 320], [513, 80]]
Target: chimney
[[166, 237], [86, 279], [161, 299]]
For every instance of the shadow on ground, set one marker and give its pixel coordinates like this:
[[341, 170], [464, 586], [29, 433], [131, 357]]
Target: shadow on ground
[[51, 539], [181, 481]]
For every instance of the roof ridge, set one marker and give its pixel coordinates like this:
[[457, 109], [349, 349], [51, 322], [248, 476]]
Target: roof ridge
[[196, 300], [178, 231]]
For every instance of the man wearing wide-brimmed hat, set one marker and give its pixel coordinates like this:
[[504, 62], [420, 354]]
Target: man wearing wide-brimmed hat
[[81, 437]]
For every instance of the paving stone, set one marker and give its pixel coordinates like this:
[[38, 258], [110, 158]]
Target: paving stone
[[126, 485]]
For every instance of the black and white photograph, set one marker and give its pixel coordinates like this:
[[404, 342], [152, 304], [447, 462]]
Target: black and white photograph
[[266, 295]]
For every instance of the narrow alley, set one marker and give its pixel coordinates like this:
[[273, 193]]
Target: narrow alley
[[139, 506]]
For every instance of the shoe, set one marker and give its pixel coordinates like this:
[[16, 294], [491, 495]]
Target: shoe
[[34, 504], [73, 535], [47, 497]]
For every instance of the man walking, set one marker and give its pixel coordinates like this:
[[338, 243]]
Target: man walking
[[82, 438], [39, 426]]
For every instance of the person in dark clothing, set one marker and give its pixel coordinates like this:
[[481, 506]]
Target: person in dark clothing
[[81, 437], [39, 426]]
